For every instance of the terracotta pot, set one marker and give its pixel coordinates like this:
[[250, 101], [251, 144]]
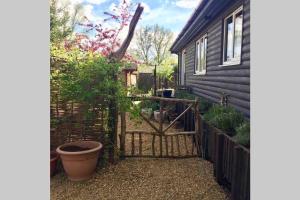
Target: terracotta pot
[[79, 158], [53, 162]]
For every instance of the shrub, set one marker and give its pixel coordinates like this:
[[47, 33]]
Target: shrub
[[224, 118], [243, 134], [204, 104], [150, 104]]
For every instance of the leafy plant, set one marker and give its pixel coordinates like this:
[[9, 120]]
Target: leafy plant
[[224, 118], [153, 105], [204, 104], [243, 134]]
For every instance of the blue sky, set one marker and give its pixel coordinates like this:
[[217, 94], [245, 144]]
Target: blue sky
[[172, 14]]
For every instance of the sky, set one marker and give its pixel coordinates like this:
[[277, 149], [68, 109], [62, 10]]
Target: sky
[[172, 14]]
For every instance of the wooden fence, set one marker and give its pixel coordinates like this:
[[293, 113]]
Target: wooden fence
[[231, 161], [69, 124]]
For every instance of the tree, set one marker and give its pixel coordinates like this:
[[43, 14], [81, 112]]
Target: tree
[[144, 40], [152, 44], [62, 21], [162, 39]]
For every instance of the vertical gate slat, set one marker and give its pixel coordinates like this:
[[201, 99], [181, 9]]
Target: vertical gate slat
[[172, 147], [166, 141], [178, 149], [132, 144], [140, 144], [153, 145], [185, 144]]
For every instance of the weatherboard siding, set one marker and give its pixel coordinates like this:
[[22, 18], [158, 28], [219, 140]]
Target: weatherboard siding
[[232, 80]]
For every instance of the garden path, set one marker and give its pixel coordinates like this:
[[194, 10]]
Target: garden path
[[144, 178]]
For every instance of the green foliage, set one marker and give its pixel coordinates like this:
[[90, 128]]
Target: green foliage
[[134, 112], [62, 22], [86, 78], [243, 134], [166, 69], [153, 105], [224, 118], [204, 104]]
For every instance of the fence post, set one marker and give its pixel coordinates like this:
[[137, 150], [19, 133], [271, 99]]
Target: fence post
[[197, 126], [122, 138], [160, 125], [219, 157], [235, 186]]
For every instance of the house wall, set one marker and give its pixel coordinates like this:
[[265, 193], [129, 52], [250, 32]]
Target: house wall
[[232, 80]]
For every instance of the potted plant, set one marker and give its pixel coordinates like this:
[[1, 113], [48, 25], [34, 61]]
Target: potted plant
[[79, 158], [157, 115], [53, 162]]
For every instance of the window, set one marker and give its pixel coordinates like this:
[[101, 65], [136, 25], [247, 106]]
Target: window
[[182, 74], [201, 47], [233, 25]]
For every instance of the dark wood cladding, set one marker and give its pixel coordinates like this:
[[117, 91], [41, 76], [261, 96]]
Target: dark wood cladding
[[233, 80]]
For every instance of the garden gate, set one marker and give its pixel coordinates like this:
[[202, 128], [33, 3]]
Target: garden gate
[[163, 144]]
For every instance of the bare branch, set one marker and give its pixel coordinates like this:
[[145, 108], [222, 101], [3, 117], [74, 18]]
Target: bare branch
[[119, 54]]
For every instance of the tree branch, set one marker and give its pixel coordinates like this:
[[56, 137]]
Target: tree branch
[[119, 54]]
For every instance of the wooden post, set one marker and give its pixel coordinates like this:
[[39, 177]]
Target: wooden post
[[140, 144], [193, 140], [153, 145], [185, 144], [122, 137], [113, 106], [167, 148], [132, 144], [172, 146], [235, 186], [197, 127], [160, 126], [219, 158], [178, 147]]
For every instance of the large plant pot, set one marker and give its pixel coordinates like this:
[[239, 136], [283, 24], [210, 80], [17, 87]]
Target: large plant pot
[[157, 115], [79, 158], [53, 162]]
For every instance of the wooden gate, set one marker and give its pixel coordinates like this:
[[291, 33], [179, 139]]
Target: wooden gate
[[163, 144]]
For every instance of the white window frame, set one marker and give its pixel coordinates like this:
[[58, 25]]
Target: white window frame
[[233, 61], [182, 71], [196, 70]]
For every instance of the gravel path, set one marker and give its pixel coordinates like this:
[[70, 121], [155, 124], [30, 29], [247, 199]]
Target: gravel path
[[134, 178], [141, 178]]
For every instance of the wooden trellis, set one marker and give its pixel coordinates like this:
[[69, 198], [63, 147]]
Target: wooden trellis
[[169, 144]]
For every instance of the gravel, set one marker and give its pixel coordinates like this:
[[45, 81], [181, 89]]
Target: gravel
[[144, 178], [137, 178]]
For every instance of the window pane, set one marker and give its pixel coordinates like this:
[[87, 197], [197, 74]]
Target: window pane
[[238, 34], [198, 56], [202, 54], [205, 50], [229, 39]]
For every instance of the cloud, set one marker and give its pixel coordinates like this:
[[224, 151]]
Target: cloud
[[147, 8], [187, 3], [88, 12], [164, 15], [96, 2]]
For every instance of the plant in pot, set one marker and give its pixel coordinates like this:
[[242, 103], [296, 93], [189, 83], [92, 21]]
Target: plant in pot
[[79, 158]]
